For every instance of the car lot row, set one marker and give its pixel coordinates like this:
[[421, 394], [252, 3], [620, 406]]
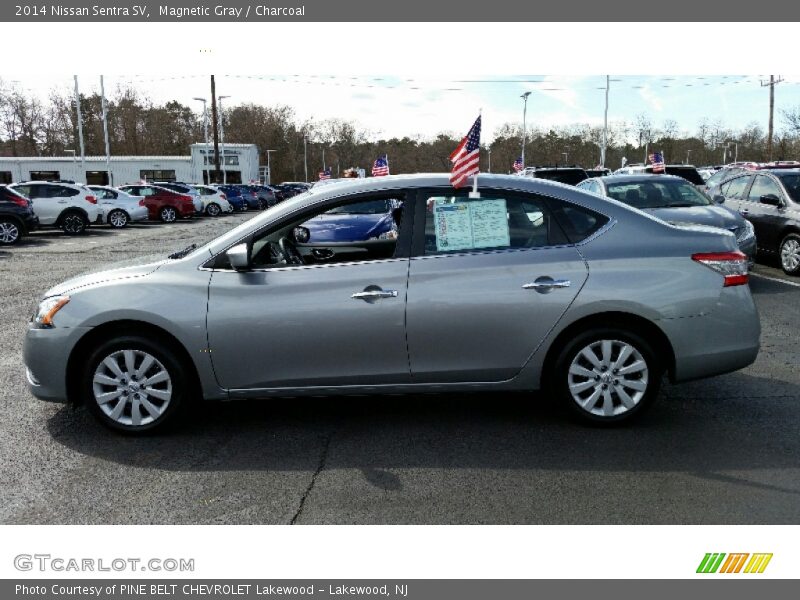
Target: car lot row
[[73, 207]]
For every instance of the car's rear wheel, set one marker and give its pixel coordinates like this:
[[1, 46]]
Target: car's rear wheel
[[607, 375], [134, 385], [10, 232], [168, 214], [118, 218], [74, 223], [213, 210], [790, 254]]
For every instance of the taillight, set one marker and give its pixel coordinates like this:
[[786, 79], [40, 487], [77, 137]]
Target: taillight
[[141, 202], [224, 197], [91, 199], [186, 198], [18, 200], [731, 265]]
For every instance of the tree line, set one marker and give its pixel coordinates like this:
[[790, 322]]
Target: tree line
[[30, 126]]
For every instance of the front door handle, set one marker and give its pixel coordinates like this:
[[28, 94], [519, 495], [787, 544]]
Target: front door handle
[[373, 293], [744, 212], [546, 284]]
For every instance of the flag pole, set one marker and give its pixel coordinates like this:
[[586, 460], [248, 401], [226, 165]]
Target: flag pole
[[475, 193]]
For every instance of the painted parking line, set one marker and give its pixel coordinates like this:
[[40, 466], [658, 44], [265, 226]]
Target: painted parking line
[[776, 279]]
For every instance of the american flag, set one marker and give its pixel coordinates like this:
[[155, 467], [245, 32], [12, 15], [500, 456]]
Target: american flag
[[657, 160], [466, 157], [518, 166], [325, 174], [380, 167]]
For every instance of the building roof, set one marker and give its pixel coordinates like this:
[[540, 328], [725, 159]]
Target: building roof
[[77, 159]]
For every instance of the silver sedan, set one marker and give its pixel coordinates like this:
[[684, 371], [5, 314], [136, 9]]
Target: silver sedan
[[527, 285]]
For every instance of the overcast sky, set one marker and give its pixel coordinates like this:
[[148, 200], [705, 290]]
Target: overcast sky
[[390, 106]]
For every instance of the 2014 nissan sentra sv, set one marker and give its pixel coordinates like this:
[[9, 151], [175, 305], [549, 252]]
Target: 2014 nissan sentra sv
[[531, 285]]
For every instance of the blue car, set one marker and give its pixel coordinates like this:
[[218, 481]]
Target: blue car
[[371, 220], [234, 196]]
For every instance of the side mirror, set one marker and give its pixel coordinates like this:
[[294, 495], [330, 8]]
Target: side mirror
[[719, 199], [239, 257], [770, 199], [301, 235]]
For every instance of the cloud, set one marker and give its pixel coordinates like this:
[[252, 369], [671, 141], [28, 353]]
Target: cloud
[[652, 99]]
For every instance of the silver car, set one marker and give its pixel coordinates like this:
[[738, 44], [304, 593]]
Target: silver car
[[532, 285]]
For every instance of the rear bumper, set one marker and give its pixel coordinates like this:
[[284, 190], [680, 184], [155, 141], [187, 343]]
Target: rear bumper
[[45, 353], [140, 213], [724, 340]]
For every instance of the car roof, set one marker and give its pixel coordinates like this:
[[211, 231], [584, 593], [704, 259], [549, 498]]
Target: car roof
[[637, 177]]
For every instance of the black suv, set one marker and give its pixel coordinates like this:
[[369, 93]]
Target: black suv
[[571, 175], [770, 200], [16, 216]]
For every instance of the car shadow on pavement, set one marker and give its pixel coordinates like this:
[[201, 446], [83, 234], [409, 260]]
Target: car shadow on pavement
[[742, 422]]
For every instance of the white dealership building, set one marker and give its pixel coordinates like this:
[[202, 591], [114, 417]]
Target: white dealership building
[[240, 165]]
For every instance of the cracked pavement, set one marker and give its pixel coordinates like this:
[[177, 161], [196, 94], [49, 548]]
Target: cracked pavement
[[723, 450]]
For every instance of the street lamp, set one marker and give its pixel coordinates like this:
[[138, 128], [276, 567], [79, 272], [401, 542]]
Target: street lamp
[[566, 157], [524, 123], [222, 139], [688, 152], [205, 138], [305, 155], [269, 169]]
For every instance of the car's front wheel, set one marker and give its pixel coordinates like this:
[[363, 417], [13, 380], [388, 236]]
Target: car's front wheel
[[118, 218], [790, 254], [133, 385], [10, 232], [607, 375], [168, 214]]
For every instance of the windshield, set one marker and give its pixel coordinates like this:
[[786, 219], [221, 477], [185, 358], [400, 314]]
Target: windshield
[[658, 194], [373, 207], [792, 184]]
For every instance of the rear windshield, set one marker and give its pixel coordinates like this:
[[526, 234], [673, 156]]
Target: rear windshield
[[568, 176], [658, 194], [690, 174]]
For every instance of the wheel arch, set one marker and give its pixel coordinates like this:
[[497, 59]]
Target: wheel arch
[[623, 320], [70, 210], [106, 331]]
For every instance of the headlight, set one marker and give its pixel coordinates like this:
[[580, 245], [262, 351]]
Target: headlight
[[48, 309], [746, 233]]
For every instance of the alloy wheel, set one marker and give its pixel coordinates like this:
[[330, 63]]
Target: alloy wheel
[[168, 214], [9, 232], [132, 387], [73, 224], [608, 378], [213, 210], [118, 218], [790, 255]]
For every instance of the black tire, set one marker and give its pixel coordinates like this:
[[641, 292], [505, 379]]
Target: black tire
[[168, 214], [788, 254], [213, 210], [10, 232], [178, 384], [73, 223], [618, 338], [118, 218]]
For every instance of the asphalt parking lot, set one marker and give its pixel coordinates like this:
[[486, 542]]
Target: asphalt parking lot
[[724, 450]]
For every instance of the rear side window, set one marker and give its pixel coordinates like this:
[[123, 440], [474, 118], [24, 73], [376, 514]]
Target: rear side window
[[577, 222], [64, 192], [495, 221], [735, 187]]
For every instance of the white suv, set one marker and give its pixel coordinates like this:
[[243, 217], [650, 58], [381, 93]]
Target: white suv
[[68, 206]]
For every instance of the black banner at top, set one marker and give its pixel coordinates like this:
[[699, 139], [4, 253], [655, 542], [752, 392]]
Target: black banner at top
[[678, 11]]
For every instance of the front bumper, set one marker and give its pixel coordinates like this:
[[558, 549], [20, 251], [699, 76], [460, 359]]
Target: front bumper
[[45, 353]]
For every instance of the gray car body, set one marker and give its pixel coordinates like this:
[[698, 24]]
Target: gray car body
[[713, 215], [460, 321]]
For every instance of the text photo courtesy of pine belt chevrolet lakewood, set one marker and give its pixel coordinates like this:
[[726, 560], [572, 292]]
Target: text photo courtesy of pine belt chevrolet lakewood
[[532, 285]]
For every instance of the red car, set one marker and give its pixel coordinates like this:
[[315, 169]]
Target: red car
[[162, 204]]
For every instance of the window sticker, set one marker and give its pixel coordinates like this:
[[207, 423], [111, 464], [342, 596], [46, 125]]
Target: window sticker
[[468, 225]]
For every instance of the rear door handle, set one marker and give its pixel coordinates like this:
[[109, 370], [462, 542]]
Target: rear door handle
[[371, 294], [546, 284], [744, 211]]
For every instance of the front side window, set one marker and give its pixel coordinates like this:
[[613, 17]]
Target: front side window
[[734, 189], [494, 222], [763, 186]]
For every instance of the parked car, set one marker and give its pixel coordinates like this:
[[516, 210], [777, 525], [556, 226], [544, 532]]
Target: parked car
[[184, 188], [599, 172], [215, 202], [68, 206], [120, 208], [264, 193], [250, 196], [490, 293], [688, 172], [676, 201], [17, 218], [162, 204], [770, 200], [359, 222], [235, 196], [571, 175]]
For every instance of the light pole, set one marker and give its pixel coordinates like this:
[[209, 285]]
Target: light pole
[[305, 155], [205, 138], [524, 123], [269, 168], [566, 157], [605, 125], [222, 139], [490, 158], [688, 152]]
